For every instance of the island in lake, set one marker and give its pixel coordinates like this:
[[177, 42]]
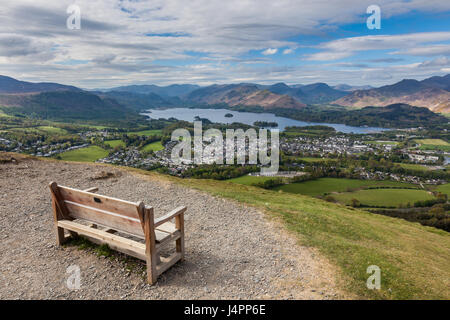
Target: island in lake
[[228, 115], [265, 124]]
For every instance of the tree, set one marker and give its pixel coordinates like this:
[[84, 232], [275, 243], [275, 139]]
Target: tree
[[355, 203]]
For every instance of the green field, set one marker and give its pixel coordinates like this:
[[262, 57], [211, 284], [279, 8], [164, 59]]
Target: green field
[[155, 132], [328, 185], [414, 259], [52, 130], [444, 188], [154, 146], [310, 159], [98, 127], [384, 197], [3, 114], [115, 143], [433, 144], [39, 130], [249, 180], [88, 154], [412, 166], [392, 143]]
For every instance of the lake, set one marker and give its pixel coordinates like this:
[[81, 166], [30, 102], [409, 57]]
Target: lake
[[218, 115]]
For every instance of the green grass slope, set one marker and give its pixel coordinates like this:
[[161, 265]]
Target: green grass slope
[[249, 180], [384, 197], [414, 259], [328, 185], [88, 154]]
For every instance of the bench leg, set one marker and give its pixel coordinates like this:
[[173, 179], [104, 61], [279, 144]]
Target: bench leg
[[150, 249], [60, 237], [179, 224]]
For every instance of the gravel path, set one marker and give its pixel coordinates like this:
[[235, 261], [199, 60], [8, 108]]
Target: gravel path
[[232, 251]]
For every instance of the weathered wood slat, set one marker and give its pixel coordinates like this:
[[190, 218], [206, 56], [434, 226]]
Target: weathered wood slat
[[172, 237], [106, 218], [166, 263], [127, 246], [168, 227], [172, 214], [114, 205]]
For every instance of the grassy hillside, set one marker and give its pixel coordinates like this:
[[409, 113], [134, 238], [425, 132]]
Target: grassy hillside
[[66, 105], [115, 143], [384, 197], [154, 146], [88, 154], [153, 132], [327, 185], [433, 144], [444, 188], [412, 166], [249, 180], [414, 259]]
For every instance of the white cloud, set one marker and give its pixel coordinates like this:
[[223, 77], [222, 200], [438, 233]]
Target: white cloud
[[437, 62], [135, 41], [270, 51], [288, 51], [412, 42], [425, 51]]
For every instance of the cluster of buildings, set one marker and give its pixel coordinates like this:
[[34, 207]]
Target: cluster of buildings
[[324, 146], [39, 148], [422, 158]]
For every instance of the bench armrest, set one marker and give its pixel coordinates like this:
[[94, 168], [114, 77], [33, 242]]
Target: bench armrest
[[172, 214]]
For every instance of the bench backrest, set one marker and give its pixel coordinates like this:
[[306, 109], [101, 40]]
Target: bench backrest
[[110, 212]]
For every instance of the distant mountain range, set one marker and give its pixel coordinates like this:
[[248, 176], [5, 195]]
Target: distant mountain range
[[11, 85], [53, 100], [346, 87], [243, 94], [174, 90], [432, 93]]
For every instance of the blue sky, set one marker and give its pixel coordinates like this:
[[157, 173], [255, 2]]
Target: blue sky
[[208, 41]]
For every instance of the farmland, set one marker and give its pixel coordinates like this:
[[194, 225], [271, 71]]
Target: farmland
[[146, 132], [154, 146], [88, 154], [384, 197], [328, 185], [392, 143], [433, 144], [413, 166], [312, 160], [444, 188], [115, 143]]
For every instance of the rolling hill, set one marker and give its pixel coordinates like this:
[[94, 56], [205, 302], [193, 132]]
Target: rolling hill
[[315, 93], [243, 94], [432, 93], [65, 105], [11, 85], [174, 90]]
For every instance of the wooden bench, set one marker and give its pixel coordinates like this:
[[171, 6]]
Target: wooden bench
[[130, 218]]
